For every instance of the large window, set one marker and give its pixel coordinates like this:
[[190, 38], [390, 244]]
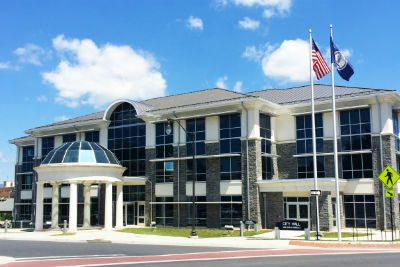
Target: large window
[[231, 210], [201, 211], [164, 140], [229, 133], [265, 134], [304, 143], [304, 133], [305, 167], [25, 212], [201, 170], [47, 145], [127, 139], [196, 128], [69, 138], [230, 168], [395, 119], [359, 211], [164, 211], [92, 136], [133, 193], [164, 172], [27, 158], [26, 181], [355, 128]]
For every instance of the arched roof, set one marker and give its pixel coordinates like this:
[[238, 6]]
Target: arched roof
[[139, 107]]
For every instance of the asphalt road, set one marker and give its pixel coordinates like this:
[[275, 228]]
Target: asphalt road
[[28, 249], [50, 254]]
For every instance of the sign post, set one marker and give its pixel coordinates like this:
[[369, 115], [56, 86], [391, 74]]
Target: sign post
[[389, 178]]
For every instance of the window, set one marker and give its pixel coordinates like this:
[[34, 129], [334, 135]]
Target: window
[[230, 168], [47, 145], [201, 170], [296, 208], [27, 158], [127, 139], [164, 212], [357, 166], [133, 193], [265, 133], [229, 133], [164, 172], [68, 138], [305, 167], [196, 128], [25, 212], [304, 133], [395, 118], [92, 136], [164, 148], [355, 127], [26, 181], [201, 211], [231, 210], [359, 211]]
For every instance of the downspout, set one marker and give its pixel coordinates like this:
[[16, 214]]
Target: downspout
[[381, 156], [247, 161]]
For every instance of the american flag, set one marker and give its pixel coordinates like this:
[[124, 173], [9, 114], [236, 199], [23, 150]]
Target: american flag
[[319, 65]]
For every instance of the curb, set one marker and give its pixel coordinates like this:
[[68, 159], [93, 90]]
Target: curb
[[343, 244], [5, 260]]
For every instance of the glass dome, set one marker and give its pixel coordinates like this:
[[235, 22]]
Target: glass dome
[[80, 152]]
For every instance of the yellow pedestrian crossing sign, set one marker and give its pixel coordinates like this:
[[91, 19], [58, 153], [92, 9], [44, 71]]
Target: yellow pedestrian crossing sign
[[389, 177], [389, 193]]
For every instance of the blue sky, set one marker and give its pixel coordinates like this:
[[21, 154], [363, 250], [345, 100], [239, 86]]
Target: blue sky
[[61, 59]]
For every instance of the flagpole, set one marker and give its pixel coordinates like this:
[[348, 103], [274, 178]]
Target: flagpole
[[335, 149], [314, 142]]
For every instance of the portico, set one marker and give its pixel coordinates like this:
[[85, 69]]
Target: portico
[[80, 163]]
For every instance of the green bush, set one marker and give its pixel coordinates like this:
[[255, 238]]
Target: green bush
[[5, 216]]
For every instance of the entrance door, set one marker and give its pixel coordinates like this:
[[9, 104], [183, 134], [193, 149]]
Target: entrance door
[[130, 213], [140, 213], [297, 211]]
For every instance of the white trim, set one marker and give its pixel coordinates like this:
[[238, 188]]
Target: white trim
[[330, 110], [197, 157]]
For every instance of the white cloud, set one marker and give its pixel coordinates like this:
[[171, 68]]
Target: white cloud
[[97, 75], [256, 54], [31, 54], [42, 98], [4, 65], [195, 23], [61, 118], [268, 13], [238, 87], [271, 7], [3, 158], [249, 24], [289, 62], [221, 82]]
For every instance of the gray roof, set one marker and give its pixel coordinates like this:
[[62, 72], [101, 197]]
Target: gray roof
[[7, 205], [286, 96], [302, 94]]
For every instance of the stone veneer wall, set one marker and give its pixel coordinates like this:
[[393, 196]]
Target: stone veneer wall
[[254, 161], [150, 186], [389, 158], [213, 186]]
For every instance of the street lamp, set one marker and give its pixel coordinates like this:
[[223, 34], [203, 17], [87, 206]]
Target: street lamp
[[168, 131]]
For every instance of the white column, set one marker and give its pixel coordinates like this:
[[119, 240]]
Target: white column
[[73, 207], [108, 207], [39, 207], [119, 207], [54, 206], [86, 205]]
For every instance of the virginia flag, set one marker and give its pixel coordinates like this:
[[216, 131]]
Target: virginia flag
[[343, 67]]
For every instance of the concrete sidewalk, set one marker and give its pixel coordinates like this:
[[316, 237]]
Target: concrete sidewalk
[[128, 238]]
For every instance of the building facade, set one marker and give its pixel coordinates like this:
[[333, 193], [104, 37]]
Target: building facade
[[253, 153]]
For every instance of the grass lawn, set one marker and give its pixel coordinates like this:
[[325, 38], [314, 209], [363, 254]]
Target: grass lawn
[[64, 234], [185, 232], [334, 234]]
